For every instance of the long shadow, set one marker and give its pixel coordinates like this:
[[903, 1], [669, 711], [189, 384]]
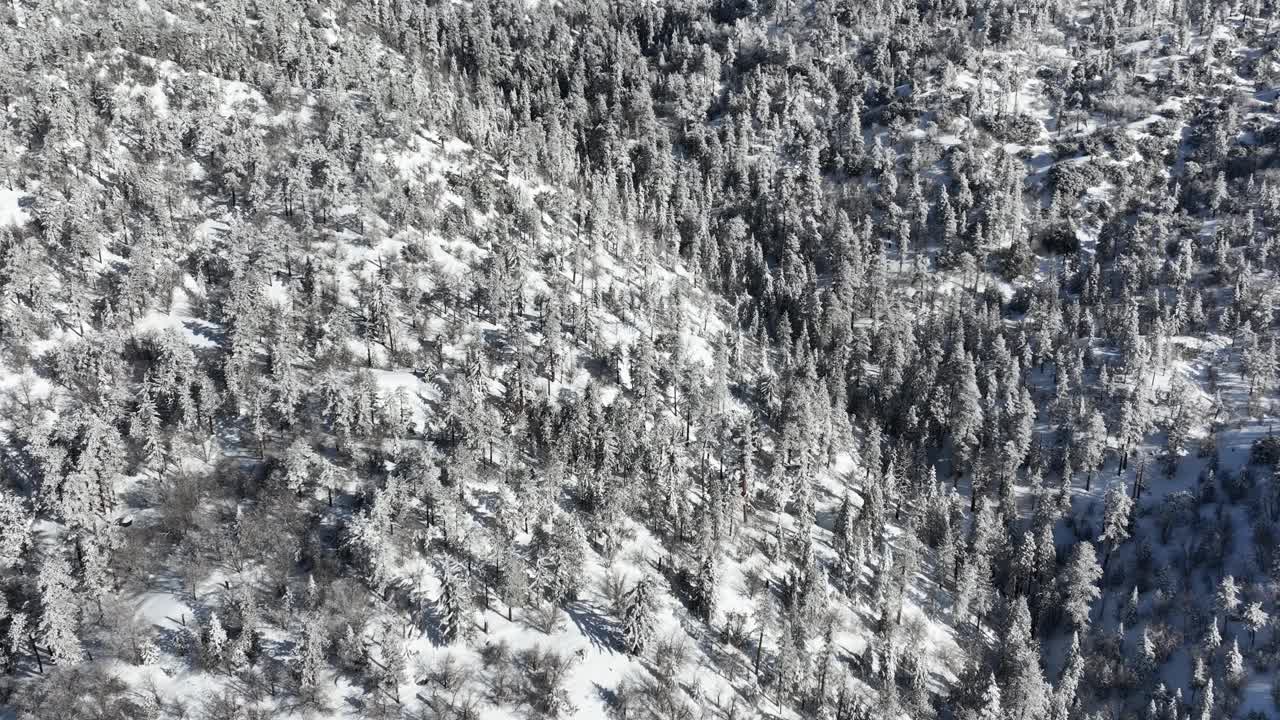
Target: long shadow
[[431, 619], [826, 519], [595, 626], [207, 331]]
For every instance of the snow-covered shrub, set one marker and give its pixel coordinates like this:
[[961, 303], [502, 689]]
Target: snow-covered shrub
[[670, 655], [615, 591], [1208, 446], [495, 654], [1059, 238], [1021, 128], [148, 652], [186, 643], [444, 671], [480, 188], [1165, 639], [1072, 179], [545, 617], [542, 674], [1265, 451], [734, 631], [500, 683], [1237, 485]]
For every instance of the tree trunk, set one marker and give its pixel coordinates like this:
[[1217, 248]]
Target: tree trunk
[[35, 649], [759, 652]]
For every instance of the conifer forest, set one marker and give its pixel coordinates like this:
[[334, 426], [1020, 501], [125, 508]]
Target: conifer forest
[[640, 359]]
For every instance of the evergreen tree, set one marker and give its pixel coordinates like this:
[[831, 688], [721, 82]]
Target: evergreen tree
[[1255, 619], [60, 610], [1147, 660], [15, 529], [311, 654], [560, 565], [1212, 638], [1064, 696], [1234, 665], [1028, 692], [513, 578], [1206, 703], [706, 584], [1115, 519], [1080, 585], [215, 641], [991, 708], [1228, 596], [298, 462], [454, 604], [845, 541], [638, 617]]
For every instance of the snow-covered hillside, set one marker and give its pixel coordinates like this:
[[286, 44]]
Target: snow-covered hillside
[[665, 360]]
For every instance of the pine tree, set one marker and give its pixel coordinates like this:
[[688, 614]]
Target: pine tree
[[1212, 638], [1016, 640], [1228, 596], [1199, 672], [966, 407], [368, 533], [454, 604], [15, 528], [1255, 619], [1028, 693], [706, 583], [638, 617], [98, 583], [60, 615], [351, 649], [1064, 696], [1218, 193], [845, 541], [148, 652], [1130, 614], [1115, 519], [298, 462], [560, 566], [18, 638], [1206, 702], [311, 655], [215, 641], [1147, 660], [1080, 587], [1235, 665], [513, 578], [144, 424], [313, 593], [1090, 445], [395, 663], [991, 708], [552, 349]]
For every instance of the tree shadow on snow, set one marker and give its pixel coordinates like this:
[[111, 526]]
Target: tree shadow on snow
[[594, 625]]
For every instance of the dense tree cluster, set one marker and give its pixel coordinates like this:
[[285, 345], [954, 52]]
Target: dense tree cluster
[[907, 348]]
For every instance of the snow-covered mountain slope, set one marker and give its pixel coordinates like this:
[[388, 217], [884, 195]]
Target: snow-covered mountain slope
[[679, 360]]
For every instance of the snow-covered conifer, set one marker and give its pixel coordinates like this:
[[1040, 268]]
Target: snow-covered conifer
[[455, 607], [60, 615], [638, 617], [1115, 519], [1080, 584]]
